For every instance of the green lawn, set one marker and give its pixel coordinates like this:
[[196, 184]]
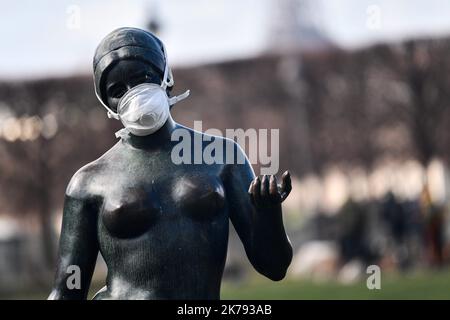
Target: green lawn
[[414, 286], [429, 285]]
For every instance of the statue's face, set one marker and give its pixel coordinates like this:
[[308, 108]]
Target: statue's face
[[125, 75]]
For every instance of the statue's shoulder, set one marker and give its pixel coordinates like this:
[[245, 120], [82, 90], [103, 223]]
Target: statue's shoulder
[[80, 185], [86, 180], [214, 143], [211, 135]]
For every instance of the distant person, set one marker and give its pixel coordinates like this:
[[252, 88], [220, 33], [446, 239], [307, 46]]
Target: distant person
[[434, 231]]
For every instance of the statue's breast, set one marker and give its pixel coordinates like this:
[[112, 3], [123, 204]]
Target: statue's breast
[[131, 212], [200, 196]]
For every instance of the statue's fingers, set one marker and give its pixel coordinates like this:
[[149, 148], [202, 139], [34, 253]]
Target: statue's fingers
[[273, 188], [265, 186], [286, 185], [257, 190], [251, 190]]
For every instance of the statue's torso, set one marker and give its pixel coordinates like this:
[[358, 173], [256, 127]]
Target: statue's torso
[[162, 228]]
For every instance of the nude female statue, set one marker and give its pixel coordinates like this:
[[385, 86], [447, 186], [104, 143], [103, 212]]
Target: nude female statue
[[162, 228]]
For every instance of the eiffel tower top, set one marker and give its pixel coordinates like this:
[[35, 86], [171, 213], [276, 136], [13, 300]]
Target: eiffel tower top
[[296, 26]]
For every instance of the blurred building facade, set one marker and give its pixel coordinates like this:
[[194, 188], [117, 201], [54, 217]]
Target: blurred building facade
[[349, 123]]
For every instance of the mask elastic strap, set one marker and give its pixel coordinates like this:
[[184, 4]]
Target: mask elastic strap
[[110, 113], [167, 72], [169, 83], [175, 99]]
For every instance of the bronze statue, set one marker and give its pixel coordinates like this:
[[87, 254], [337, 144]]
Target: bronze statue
[[161, 228]]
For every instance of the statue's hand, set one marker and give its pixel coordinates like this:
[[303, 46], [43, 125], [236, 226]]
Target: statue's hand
[[266, 193]]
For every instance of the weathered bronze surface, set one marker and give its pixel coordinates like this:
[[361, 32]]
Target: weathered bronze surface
[[162, 228]]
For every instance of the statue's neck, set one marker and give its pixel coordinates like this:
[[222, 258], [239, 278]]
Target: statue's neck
[[154, 140]]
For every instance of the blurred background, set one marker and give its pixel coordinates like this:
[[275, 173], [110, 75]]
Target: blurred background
[[359, 89]]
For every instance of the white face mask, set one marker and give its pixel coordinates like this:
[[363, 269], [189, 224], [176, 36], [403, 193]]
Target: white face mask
[[145, 108]]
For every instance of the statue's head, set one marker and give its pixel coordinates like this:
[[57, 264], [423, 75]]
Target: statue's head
[[125, 58]]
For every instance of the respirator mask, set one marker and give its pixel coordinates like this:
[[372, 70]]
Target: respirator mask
[[144, 109]]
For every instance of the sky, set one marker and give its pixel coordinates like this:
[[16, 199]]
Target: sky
[[58, 38]]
